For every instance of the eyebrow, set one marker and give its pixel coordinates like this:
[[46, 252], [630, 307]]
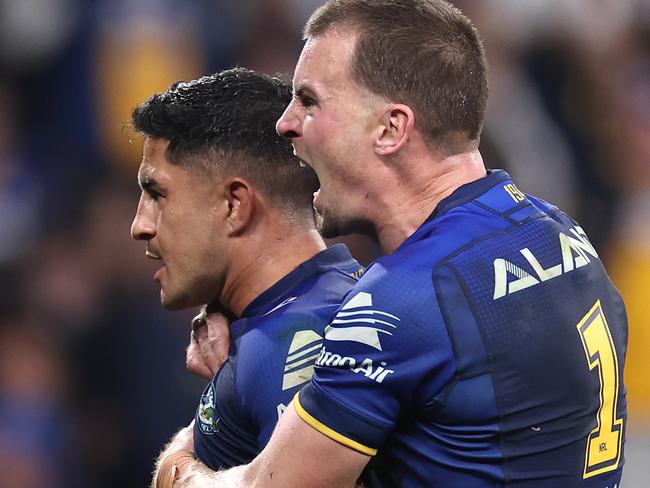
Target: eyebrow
[[146, 182], [304, 90]]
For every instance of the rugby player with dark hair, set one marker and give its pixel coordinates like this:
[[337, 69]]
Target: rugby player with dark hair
[[226, 210]]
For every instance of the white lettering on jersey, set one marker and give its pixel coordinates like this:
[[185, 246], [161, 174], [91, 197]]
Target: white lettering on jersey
[[575, 249], [281, 408], [366, 367], [350, 323]]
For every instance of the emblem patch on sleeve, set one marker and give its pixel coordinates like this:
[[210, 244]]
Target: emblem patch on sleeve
[[206, 414]]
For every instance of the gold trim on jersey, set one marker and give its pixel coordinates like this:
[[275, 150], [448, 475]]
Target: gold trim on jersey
[[329, 432]]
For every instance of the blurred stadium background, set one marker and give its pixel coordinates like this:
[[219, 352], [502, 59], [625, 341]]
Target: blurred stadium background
[[92, 378]]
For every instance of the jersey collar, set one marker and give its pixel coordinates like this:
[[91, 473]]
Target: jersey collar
[[469, 192], [460, 196], [336, 256]]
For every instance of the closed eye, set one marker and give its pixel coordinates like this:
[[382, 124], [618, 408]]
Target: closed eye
[[154, 194], [307, 101]]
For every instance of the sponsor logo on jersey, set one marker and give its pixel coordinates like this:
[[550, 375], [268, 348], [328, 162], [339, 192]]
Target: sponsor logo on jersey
[[358, 321], [280, 408], [299, 365], [366, 367], [206, 415], [510, 278]]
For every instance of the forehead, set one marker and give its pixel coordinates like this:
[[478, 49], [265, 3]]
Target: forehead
[[154, 163], [325, 59], [154, 148]]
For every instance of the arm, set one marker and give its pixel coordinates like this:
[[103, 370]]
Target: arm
[[296, 456], [206, 353], [175, 456]]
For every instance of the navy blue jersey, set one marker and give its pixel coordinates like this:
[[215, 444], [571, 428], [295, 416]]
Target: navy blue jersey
[[273, 347], [487, 350]]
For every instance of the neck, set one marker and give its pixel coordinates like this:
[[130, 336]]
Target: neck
[[418, 191], [262, 259]]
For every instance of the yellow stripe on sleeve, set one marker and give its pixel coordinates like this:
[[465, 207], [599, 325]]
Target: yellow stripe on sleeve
[[331, 433]]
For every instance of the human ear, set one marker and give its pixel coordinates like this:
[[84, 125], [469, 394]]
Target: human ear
[[396, 124], [240, 199]]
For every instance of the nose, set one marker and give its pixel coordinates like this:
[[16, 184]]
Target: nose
[[143, 227], [289, 125]]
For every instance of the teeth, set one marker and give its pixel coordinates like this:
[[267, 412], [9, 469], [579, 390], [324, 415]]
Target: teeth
[[302, 164], [151, 255]]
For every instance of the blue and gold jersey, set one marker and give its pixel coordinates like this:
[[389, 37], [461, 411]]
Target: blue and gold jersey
[[273, 347], [487, 350]]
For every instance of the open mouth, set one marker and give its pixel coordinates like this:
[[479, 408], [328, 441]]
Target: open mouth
[[315, 200], [151, 255], [301, 162]]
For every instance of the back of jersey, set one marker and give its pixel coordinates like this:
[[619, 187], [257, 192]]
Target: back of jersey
[[486, 351], [554, 333]]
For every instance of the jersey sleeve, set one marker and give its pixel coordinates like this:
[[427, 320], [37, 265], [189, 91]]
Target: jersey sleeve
[[386, 353], [223, 434]]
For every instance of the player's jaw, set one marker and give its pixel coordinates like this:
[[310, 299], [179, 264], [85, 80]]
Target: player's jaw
[[152, 254], [329, 199], [185, 284], [331, 220], [169, 296], [160, 273], [175, 294]]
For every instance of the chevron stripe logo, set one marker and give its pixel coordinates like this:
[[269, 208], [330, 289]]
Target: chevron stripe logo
[[358, 321], [303, 351]]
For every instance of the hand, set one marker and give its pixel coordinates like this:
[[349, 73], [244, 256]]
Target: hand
[[183, 440], [209, 342], [177, 456]]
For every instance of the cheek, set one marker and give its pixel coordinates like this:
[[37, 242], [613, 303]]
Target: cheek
[[173, 237], [319, 131]]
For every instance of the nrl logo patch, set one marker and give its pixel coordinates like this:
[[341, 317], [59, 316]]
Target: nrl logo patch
[[206, 414]]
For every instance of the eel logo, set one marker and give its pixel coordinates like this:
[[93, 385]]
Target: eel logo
[[206, 414]]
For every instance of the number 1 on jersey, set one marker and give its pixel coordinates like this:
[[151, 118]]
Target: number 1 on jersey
[[604, 442]]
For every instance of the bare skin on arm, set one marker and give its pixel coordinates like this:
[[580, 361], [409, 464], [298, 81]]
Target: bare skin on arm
[[206, 353], [285, 463], [292, 465], [177, 455]]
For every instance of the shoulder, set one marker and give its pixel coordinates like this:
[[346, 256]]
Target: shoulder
[[327, 288], [278, 350]]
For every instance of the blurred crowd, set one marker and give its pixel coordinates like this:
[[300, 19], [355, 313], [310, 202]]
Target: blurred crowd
[[92, 376]]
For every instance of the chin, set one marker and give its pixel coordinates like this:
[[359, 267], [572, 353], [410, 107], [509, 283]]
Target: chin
[[331, 227], [173, 302], [328, 228], [188, 296], [326, 224]]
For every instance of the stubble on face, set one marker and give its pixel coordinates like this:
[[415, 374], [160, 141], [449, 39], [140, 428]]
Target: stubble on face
[[186, 238], [336, 132], [326, 224]]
